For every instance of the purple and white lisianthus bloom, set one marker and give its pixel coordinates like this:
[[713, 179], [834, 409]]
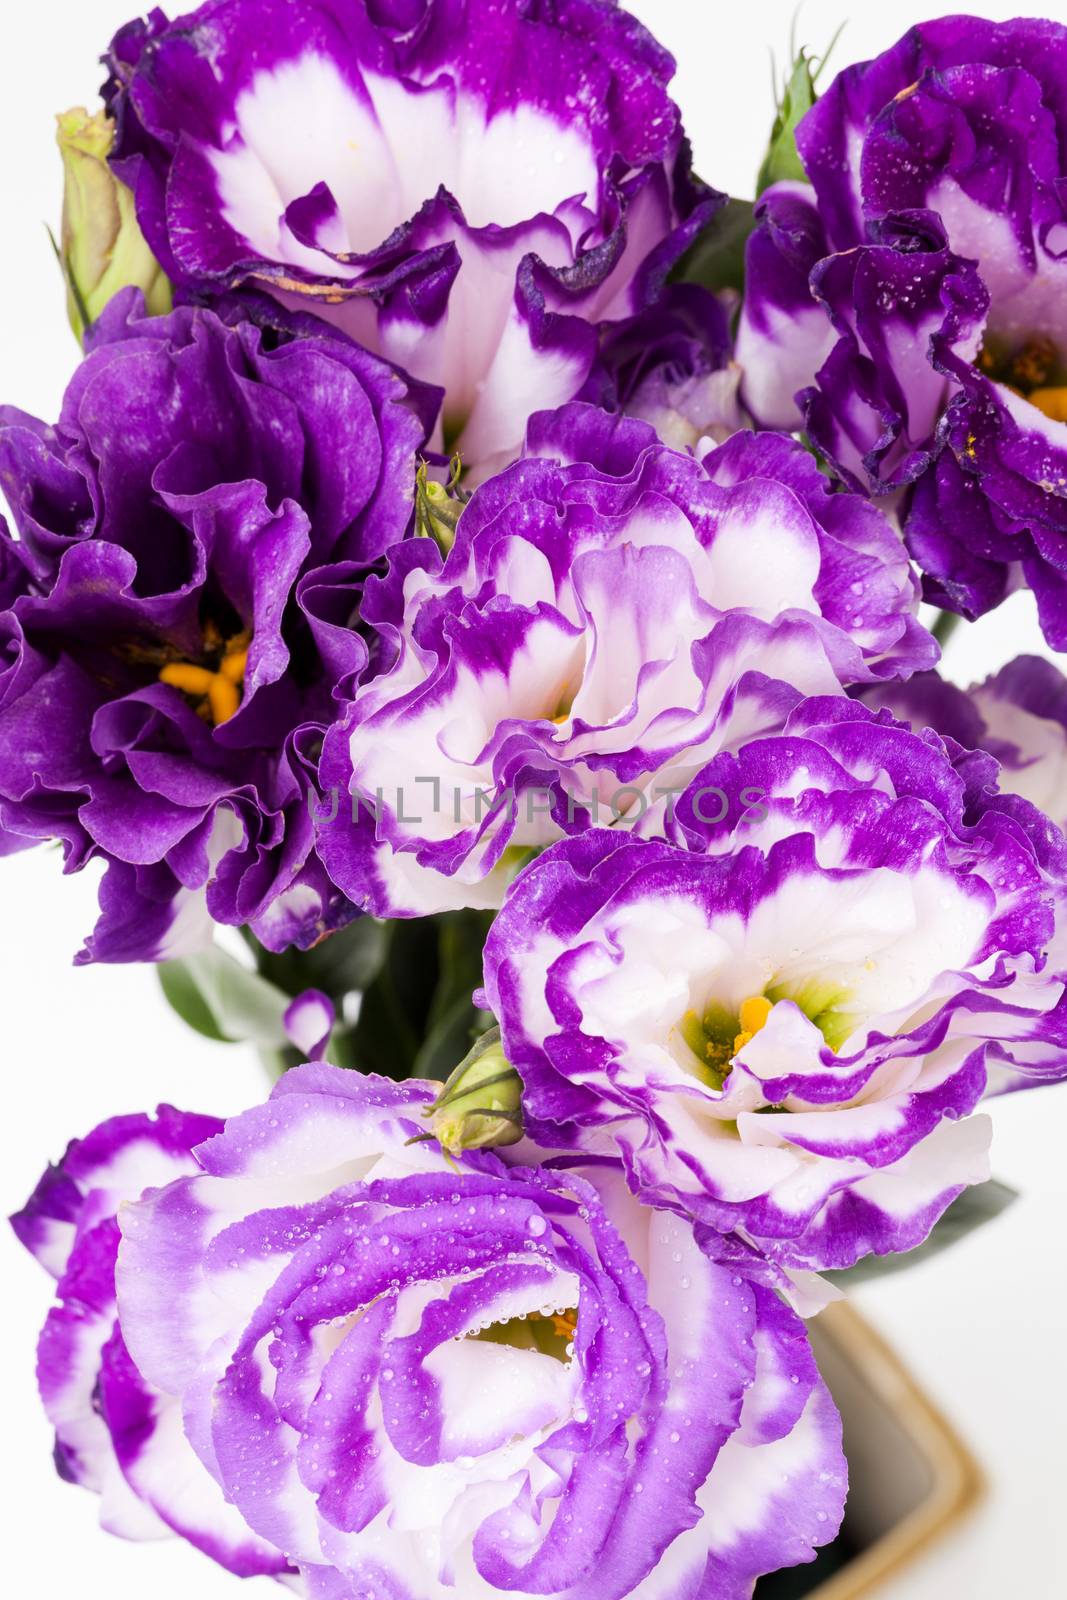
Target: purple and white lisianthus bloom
[[192, 536], [672, 366], [611, 614], [783, 332], [784, 1020], [469, 188], [1019, 715], [115, 1433], [931, 346], [420, 1380], [852, 345]]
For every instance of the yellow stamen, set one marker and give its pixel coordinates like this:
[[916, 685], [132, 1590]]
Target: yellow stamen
[[564, 1324], [219, 692], [1053, 402], [224, 698], [188, 678], [752, 1016], [233, 667]]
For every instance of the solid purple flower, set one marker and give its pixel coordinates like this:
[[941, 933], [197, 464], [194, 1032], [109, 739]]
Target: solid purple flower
[[611, 613], [115, 1433], [469, 187], [192, 537], [424, 1380], [784, 1019]]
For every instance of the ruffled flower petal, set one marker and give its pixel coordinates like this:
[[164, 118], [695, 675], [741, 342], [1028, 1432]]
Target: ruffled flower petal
[[433, 1379], [611, 614], [192, 546], [115, 1433], [470, 196], [936, 201], [784, 1019]]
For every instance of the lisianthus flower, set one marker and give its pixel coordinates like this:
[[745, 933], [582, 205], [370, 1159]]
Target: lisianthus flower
[[854, 346], [671, 366], [611, 613], [422, 1380], [115, 1433], [191, 538], [783, 333], [785, 1018], [466, 187], [937, 210], [14, 581], [1019, 715]]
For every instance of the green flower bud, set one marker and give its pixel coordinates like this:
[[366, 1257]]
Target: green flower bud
[[481, 1104], [101, 248], [437, 508]]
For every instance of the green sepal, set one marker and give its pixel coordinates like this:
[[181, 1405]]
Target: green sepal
[[797, 96], [480, 1106]]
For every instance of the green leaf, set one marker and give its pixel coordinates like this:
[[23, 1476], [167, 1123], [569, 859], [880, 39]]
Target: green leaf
[[973, 1209], [349, 959], [394, 1007], [945, 627], [450, 1038], [454, 1022], [223, 1000], [341, 963], [417, 1019], [797, 96], [716, 258], [415, 969], [414, 979], [383, 1039], [183, 995], [461, 941]]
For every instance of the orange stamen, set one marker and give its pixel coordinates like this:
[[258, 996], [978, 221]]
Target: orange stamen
[[564, 1324], [1052, 401]]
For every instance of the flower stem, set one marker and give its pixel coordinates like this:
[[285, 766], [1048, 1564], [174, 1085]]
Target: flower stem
[[945, 627]]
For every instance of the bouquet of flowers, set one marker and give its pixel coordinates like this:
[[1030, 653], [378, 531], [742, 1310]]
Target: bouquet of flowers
[[470, 603]]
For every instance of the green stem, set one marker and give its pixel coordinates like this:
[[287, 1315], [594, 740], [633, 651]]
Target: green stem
[[945, 627]]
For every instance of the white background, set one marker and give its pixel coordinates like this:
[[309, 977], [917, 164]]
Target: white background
[[985, 1327]]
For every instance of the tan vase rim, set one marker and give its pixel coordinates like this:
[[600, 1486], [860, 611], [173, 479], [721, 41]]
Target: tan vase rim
[[958, 1482]]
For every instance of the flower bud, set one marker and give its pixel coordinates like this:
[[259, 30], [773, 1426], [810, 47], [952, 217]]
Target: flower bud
[[102, 248], [437, 508], [481, 1104]]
